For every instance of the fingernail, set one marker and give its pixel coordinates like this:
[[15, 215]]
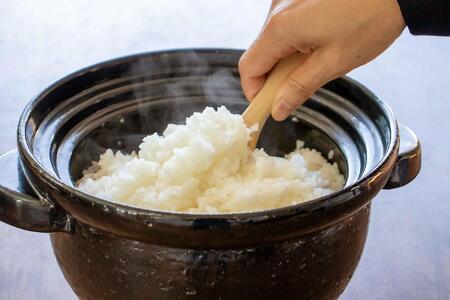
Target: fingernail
[[282, 110]]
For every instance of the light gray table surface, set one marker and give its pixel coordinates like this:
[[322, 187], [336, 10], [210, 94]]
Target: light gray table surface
[[407, 255]]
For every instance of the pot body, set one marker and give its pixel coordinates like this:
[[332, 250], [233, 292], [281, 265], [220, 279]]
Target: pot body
[[111, 251], [318, 265]]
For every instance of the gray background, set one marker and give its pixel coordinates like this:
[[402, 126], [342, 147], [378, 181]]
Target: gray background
[[407, 255]]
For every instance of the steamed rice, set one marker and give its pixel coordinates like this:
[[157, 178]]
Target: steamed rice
[[205, 166]]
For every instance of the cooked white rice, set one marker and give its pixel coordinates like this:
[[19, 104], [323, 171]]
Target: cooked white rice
[[206, 167]]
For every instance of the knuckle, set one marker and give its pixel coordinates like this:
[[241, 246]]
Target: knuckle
[[300, 90]]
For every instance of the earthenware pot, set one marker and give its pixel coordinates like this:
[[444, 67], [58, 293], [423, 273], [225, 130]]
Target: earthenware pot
[[112, 251]]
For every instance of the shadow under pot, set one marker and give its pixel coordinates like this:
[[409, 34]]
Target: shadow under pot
[[112, 251]]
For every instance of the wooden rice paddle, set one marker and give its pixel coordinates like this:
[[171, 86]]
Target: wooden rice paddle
[[259, 109]]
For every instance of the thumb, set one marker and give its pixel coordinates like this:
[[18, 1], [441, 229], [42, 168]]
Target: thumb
[[308, 77]]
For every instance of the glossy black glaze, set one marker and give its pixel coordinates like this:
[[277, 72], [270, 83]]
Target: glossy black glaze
[[314, 266], [19, 205], [80, 117], [408, 161], [74, 120]]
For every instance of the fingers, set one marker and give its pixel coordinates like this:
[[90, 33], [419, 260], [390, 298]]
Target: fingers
[[300, 85], [252, 85], [258, 60]]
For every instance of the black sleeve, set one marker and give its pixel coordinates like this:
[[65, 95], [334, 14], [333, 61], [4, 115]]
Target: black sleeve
[[427, 17]]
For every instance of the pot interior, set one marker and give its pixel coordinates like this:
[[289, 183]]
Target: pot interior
[[115, 104], [124, 130]]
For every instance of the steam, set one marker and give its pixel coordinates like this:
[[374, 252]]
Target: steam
[[167, 88], [188, 82], [170, 87]]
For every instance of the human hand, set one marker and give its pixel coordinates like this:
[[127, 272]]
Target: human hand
[[337, 35]]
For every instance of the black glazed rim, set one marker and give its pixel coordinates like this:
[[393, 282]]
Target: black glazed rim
[[313, 205]]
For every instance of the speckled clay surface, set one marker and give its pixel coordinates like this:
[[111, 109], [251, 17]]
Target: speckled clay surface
[[302, 268]]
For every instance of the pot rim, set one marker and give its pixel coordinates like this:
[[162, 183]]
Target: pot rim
[[318, 203]]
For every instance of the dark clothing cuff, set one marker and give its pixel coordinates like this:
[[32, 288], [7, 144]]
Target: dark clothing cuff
[[426, 17]]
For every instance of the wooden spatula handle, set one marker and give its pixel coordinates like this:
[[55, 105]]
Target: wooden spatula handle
[[259, 109]]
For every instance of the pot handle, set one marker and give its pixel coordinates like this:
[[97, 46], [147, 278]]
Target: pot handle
[[19, 205], [408, 163]]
